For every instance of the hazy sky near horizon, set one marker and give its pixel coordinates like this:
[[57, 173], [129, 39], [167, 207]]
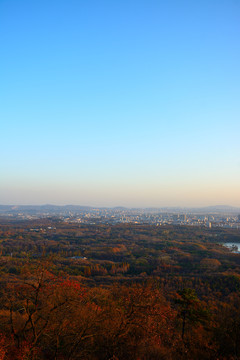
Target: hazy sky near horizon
[[132, 102]]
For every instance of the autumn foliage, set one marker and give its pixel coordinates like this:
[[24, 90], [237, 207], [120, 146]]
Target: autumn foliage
[[48, 317], [140, 293]]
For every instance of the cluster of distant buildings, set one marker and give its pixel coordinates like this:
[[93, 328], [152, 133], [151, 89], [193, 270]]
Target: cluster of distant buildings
[[119, 215], [159, 219]]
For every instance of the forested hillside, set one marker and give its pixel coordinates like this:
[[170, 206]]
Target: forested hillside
[[71, 291]]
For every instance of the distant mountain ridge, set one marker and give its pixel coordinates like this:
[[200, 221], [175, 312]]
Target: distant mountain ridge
[[49, 208]]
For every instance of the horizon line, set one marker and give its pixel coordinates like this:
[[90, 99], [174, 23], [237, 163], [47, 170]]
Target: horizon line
[[128, 207]]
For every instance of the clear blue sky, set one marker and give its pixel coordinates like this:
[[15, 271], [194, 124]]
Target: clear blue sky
[[129, 102]]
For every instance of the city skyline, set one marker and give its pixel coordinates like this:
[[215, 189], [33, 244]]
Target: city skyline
[[130, 104]]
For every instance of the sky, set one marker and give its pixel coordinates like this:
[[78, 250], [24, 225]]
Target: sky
[[120, 103]]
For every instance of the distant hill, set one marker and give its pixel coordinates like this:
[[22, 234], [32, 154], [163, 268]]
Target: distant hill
[[220, 209], [67, 209]]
